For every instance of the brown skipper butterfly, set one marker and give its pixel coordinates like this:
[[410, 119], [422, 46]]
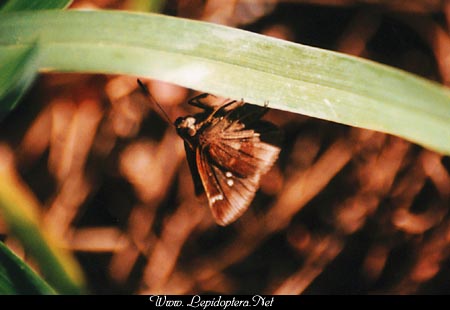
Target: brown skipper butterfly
[[228, 148]]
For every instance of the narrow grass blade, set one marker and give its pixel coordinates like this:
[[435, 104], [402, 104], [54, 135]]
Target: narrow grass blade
[[238, 64], [19, 210], [18, 69], [16, 277], [24, 5]]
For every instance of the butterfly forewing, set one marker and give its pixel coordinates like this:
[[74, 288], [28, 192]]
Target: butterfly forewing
[[228, 195]]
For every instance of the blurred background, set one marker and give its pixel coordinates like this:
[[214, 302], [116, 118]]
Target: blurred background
[[343, 211]]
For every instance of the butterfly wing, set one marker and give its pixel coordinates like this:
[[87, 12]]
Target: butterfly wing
[[230, 162], [190, 156]]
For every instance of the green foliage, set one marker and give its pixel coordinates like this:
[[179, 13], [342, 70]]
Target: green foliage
[[237, 64], [207, 57], [18, 69], [33, 5], [17, 278]]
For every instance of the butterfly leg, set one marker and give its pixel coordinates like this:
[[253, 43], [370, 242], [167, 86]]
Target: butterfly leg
[[204, 101], [250, 113], [223, 108]]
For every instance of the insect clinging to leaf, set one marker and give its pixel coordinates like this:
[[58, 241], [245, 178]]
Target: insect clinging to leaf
[[228, 148]]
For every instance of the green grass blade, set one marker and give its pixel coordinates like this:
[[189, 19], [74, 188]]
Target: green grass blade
[[19, 210], [238, 64], [16, 277], [18, 69], [24, 5]]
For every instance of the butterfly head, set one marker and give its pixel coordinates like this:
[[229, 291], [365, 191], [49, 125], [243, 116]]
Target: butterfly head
[[186, 126]]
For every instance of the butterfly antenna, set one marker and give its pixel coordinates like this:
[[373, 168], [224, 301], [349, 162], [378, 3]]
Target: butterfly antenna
[[153, 100]]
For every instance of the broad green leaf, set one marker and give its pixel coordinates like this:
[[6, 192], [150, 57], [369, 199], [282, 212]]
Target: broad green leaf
[[32, 5], [16, 277], [18, 69], [238, 64], [20, 211]]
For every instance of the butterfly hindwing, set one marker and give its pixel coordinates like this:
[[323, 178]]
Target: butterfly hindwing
[[231, 161], [237, 149]]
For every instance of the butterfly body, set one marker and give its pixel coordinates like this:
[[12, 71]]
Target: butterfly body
[[226, 154]]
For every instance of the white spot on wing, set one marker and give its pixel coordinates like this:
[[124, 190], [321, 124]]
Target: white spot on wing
[[216, 198]]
